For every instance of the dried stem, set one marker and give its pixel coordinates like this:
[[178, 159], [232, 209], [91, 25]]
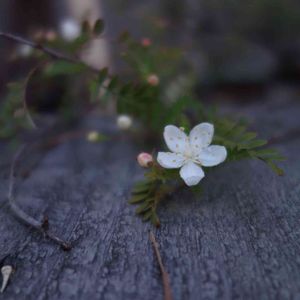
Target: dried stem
[[165, 275], [41, 226], [51, 52]]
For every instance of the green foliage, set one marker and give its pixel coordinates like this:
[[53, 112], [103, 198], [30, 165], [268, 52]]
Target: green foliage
[[98, 27], [14, 114], [241, 143], [145, 101], [147, 194], [168, 101], [61, 67]]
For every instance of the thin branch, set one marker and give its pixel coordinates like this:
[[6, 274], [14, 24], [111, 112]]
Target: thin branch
[[41, 226], [51, 52], [165, 275]]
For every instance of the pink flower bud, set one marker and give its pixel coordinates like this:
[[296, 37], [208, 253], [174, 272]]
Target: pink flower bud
[[51, 35], [146, 42], [153, 80], [145, 160]]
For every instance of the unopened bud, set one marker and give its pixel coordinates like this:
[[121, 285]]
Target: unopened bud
[[50, 35], [69, 29], [124, 122], [153, 80], [145, 159], [146, 42], [93, 136]]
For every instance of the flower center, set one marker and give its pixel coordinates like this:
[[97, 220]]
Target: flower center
[[188, 153]]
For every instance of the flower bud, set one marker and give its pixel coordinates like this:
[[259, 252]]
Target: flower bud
[[50, 35], [145, 160], [93, 136], [69, 29], [146, 42], [124, 122], [153, 80], [39, 35]]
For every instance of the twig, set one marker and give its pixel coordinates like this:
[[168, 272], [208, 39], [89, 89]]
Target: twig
[[165, 275], [41, 226], [51, 52]]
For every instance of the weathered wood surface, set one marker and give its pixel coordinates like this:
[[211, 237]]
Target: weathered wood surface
[[239, 240]]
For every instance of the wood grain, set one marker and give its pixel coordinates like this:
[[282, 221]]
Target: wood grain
[[239, 240]]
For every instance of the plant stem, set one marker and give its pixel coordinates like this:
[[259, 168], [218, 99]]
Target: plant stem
[[51, 52], [165, 275], [41, 226]]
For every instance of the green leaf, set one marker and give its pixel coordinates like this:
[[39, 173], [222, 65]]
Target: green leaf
[[98, 27], [255, 144], [143, 208], [140, 189], [94, 90], [102, 75], [147, 215], [85, 27], [275, 168], [113, 83], [137, 198], [63, 68]]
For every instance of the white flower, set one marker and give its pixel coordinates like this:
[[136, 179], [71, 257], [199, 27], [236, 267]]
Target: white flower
[[69, 29], [124, 122], [191, 152]]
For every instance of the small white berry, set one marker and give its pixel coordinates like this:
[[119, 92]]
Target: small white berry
[[124, 122], [24, 50], [69, 29]]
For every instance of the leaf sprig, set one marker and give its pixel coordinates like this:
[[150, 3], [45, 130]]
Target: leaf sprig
[[148, 193], [240, 144]]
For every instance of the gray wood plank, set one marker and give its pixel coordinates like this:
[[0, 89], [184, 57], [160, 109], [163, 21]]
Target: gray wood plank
[[238, 240]]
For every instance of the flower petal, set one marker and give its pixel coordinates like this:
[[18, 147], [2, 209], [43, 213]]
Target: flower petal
[[176, 139], [212, 155], [201, 136], [191, 173], [170, 160]]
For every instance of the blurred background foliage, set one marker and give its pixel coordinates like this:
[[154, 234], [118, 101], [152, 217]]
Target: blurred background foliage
[[152, 61]]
